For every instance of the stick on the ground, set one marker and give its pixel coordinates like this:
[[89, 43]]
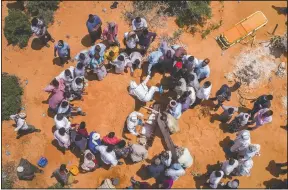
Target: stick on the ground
[[154, 111], [275, 29]]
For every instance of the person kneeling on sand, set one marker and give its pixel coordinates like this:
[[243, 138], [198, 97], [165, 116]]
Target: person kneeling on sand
[[138, 153], [22, 127], [215, 178], [133, 121], [142, 92], [66, 109], [26, 170], [63, 138], [90, 163], [110, 139]]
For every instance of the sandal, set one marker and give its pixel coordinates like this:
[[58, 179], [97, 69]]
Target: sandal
[[114, 5]]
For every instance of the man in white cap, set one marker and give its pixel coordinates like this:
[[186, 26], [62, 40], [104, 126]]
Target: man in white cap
[[138, 153], [215, 179], [109, 183], [108, 155], [241, 142], [142, 92], [22, 127], [62, 121], [228, 166], [26, 170], [244, 168], [63, 138], [249, 152], [133, 121], [175, 171]]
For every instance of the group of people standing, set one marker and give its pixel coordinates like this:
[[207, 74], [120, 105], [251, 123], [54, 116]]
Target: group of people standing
[[186, 74]]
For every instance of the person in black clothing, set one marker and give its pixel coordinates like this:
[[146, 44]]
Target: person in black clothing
[[26, 170], [222, 95], [156, 169], [145, 39], [261, 102]]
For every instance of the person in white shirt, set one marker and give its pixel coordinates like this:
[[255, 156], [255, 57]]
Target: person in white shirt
[[203, 93], [22, 127], [108, 156], [133, 121], [142, 92], [134, 62], [90, 163], [79, 70], [63, 138], [120, 63], [190, 62], [67, 75], [40, 30], [186, 160], [62, 121], [100, 48], [228, 166], [215, 179], [138, 24], [175, 171], [241, 142], [77, 87], [131, 40], [244, 168], [249, 152]]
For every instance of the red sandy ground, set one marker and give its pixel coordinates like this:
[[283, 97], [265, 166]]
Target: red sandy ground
[[108, 102]]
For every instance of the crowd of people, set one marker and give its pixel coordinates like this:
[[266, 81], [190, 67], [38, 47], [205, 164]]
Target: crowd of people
[[186, 75]]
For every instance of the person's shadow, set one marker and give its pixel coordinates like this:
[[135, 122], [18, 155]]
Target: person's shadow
[[275, 183], [226, 144], [143, 172], [37, 44], [274, 169], [280, 10], [55, 143], [86, 41]]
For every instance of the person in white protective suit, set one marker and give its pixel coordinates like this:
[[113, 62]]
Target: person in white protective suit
[[133, 121], [142, 92], [241, 142]]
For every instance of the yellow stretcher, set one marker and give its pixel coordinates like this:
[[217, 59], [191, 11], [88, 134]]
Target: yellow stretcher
[[242, 29]]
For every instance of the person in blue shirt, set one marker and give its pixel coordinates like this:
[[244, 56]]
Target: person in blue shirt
[[63, 51], [175, 109], [94, 27], [154, 60], [94, 141], [100, 48], [202, 70]]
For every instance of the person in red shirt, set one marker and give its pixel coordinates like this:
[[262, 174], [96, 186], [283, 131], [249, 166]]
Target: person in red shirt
[[82, 129], [110, 139]]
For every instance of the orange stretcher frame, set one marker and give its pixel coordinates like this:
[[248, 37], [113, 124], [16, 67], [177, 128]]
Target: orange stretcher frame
[[242, 29]]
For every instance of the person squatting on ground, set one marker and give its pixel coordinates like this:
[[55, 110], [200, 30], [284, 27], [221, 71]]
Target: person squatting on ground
[[142, 92], [26, 170], [133, 121], [63, 176], [222, 95], [39, 29], [90, 163], [22, 127]]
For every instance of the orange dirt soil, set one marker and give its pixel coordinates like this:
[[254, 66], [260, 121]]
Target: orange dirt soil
[[108, 103]]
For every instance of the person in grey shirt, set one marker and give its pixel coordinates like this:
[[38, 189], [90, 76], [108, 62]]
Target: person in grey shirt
[[63, 51]]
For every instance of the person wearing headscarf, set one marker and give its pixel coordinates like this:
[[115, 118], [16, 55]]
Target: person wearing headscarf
[[26, 170], [90, 163], [156, 169], [249, 152], [133, 121], [22, 127], [244, 168], [94, 141], [109, 183], [175, 109], [215, 178], [175, 171], [166, 158], [228, 166], [131, 40], [98, 67], [261, 118], [142, 92], [238, 122], [110, 34], [62, 121], [241, 142]]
